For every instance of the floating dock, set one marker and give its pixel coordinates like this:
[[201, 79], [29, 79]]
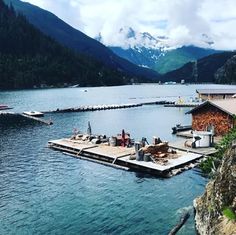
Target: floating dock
[[120, 157], [38, 119], [88, 108], [180, 145], [182, 105], [185, 134]]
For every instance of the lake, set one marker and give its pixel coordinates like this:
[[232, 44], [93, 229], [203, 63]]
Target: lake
[[46, 192]]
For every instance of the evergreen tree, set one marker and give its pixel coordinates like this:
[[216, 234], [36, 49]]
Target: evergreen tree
[[29, 58]]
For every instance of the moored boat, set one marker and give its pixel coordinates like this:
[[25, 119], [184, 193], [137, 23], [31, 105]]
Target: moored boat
[[4, 107], [180, 127], [34, 114]]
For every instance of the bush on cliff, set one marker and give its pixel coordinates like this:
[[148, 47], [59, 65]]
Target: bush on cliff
[[211, 163]]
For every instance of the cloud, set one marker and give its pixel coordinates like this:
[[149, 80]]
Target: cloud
[[185, 22], [67, 10]]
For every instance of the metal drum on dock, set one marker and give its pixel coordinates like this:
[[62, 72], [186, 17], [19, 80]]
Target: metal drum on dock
[[147, 157], [113, 141]]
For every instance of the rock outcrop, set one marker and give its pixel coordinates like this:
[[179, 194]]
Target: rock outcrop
[[216, 208], [227, 73]]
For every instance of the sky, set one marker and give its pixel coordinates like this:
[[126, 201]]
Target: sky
[[184, 22]]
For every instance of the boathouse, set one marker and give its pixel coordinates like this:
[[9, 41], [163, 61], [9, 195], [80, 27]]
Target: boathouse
[[219, 114], [212, 94]]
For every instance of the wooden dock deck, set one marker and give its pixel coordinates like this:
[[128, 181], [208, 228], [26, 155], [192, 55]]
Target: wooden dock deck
[[192, 104], [179, 145], [120, 156], [181, 160], [185, 134]]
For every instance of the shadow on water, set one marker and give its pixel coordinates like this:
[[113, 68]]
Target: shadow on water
[[142, 176], [16, 121], [199, 172]]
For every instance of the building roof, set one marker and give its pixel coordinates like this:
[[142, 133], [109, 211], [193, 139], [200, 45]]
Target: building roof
[[216, 91], [227, 105]]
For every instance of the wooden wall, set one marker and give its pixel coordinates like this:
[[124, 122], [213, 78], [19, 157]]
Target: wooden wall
[[214, 96], [210, 115]]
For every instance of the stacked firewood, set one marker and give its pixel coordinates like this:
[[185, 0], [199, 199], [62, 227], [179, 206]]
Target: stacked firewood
[[209, 115], [159, 152]]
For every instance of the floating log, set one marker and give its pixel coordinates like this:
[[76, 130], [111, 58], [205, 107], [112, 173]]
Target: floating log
[[182, 221]]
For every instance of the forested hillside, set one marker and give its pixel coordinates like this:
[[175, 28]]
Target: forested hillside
[[202, 70], [60, 31], [28, 58]]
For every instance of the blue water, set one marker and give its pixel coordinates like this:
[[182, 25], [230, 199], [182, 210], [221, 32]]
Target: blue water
[[46, 192]]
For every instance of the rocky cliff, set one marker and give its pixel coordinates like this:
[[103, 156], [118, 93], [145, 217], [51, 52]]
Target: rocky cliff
[[216, 208], [227, 73]]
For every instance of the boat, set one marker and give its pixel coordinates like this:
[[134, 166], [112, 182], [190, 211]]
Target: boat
[[34, 114], [74, 86], [170, 83], [179, 128], [4, 107]]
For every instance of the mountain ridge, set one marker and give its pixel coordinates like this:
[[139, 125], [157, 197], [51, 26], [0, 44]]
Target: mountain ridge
[[65, 34], [155, 53], [202, 70], [29, 58]]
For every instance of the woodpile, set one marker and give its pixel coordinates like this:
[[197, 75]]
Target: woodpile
[[160, 153], [209, 115], [158, 148]]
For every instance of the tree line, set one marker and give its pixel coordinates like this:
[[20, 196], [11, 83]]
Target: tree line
[[28, 58]]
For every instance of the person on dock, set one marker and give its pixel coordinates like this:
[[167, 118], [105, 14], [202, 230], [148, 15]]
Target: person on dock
[[123, 138], [89, 130]]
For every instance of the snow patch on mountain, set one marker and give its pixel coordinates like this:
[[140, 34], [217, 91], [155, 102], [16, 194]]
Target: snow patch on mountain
[[127, 38], [145, 50]]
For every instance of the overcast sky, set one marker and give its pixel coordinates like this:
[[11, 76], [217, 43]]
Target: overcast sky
[[183, 21]]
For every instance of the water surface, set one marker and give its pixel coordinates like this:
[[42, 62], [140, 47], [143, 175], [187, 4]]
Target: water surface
[[46, 192]]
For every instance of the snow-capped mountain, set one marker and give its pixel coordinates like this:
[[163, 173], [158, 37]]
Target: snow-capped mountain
[[152, 52], [127, 37]]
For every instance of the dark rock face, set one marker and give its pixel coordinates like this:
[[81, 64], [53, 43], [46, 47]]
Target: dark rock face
[[220, 193], [227, 73]]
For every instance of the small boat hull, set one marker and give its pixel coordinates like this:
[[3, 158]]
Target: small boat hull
[[34, 114], [4, 107], [179, 128]]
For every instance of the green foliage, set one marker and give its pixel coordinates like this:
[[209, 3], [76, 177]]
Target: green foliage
[[207, 165], [225, 142], [214, 161], [28, 58], [229, 213], [173, 60]]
